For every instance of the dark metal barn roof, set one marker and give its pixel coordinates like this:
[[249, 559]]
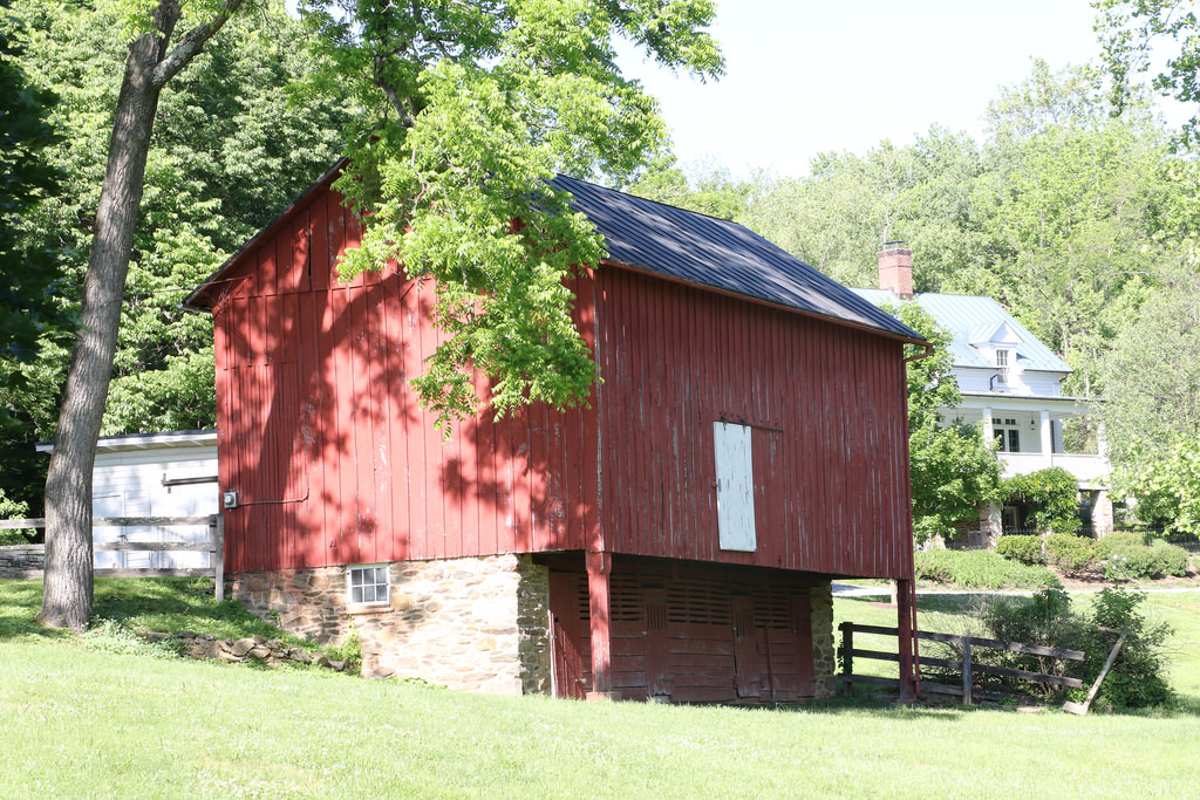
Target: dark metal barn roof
[[719, 254]]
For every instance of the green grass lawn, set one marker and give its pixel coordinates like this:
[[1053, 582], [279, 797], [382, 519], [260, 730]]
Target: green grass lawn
[[80, 721]]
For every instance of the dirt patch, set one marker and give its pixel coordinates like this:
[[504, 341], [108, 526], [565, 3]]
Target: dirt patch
[[1096, 581]]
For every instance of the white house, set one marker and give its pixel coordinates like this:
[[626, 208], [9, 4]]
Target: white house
[[1010, 382], [170, 474]]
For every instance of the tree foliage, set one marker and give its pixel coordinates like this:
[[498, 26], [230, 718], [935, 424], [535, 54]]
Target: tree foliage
[[1053, 495], [704, 187], [953, 468], [28, 269], [466, 111], [1136, 34]]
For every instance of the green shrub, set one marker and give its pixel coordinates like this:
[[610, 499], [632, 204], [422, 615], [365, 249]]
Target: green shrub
[[1139, 675], [1053, 494], [1069, 553], [1126, 555], [13, 509], [1137, 678], [980, 569], [1116, 540], [1019, 547], [1172, 559]]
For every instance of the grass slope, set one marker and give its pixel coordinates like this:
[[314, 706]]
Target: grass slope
[[82, 722]]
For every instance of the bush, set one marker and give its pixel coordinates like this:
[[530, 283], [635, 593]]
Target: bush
[[13, 509], [1138, 676], [980, 569], [1126, 555], [1019, 547], [1172, 559], [1068, 553], [1053, 494]]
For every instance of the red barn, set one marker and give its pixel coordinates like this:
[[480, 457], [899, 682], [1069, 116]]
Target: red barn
[[675, 540]]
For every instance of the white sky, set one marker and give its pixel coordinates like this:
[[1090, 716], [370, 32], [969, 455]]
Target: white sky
[[805, 77]]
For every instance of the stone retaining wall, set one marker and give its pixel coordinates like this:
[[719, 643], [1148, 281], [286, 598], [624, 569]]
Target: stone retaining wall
[[472, 624], [22, 560], [273, 652]]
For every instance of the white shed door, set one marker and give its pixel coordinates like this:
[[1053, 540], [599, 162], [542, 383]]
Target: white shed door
[[735, 486]]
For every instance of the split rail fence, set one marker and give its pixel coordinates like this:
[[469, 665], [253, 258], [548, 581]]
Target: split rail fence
[[214, 545], [969, 669]]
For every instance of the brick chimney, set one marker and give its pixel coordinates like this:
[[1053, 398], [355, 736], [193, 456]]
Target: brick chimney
[[895, 269]]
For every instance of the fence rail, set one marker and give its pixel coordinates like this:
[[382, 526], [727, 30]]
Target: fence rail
[[214, 546], [965, 665]]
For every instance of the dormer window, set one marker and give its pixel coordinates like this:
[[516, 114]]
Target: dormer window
[[1002, 365]]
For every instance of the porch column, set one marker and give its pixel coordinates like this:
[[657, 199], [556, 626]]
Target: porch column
[[1047, 440], [905, 611], [989, 433], [599, 566]]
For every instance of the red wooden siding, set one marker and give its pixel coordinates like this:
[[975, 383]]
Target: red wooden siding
[[335, 462], [825, 403], [333, 459]]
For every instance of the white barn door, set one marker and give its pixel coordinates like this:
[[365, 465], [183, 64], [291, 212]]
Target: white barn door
[[735, 486]]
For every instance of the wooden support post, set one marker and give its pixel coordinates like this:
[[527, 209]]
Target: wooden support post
[[599, 566], [847, 629], [968, 680], [906, 613], [216, 534]]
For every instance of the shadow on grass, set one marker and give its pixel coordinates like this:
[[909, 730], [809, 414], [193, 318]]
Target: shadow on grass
[[165, 605]]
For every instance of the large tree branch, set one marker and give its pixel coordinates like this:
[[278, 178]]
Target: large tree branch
[[192, 43]]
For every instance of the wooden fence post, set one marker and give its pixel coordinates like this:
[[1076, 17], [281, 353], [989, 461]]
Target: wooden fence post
[[966, 670], [847, 629], [216, 533]]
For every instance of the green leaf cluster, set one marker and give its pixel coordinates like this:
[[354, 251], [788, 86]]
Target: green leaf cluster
[[953, 469], [234, 142], [464, 113], [1053, 494], [29, 269]]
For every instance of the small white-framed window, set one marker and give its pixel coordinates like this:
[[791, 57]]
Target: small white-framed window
[[1002, 365], [368, 585]]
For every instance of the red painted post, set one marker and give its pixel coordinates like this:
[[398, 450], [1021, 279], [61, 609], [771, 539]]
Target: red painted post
[[904, 606], [599, 566]]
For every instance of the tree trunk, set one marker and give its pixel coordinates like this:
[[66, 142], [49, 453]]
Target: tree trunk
[[68, 588]]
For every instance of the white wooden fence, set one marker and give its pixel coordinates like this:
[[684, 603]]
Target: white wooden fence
[[214, 546]]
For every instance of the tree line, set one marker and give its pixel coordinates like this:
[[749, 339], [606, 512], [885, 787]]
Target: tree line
[[1077, 214]]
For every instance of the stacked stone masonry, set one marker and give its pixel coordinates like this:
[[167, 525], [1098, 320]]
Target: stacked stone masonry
[[471, 624], [820, 598], [22, 561]]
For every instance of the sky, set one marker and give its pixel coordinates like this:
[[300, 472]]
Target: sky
[[805, 77]]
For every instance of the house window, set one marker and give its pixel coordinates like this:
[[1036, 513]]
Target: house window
[[368, 585], [1008, 437], [1002, 365]]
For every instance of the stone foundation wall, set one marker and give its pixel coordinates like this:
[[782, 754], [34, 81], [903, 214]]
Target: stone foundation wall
[[22, 560], [472, 624], [820, 598]]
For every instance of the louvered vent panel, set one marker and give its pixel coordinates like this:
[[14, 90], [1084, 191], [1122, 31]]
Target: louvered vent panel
[[625, 599], [704, 602], [773, 610]]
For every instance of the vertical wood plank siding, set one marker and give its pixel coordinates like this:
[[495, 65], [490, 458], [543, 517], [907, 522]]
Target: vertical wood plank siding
[[333, 459], [335, 462], [831, 472]]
